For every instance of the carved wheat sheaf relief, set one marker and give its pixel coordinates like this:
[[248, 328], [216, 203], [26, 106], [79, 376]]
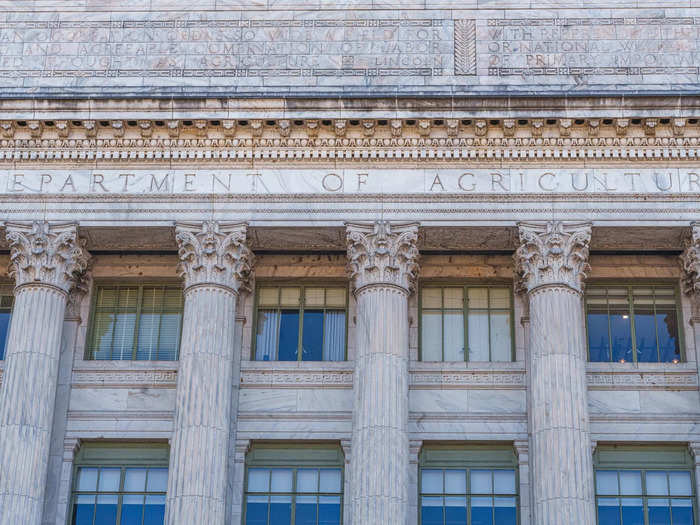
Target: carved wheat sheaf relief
[[465, 47]]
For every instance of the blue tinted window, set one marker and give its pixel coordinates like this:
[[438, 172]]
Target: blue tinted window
[[4, 331], [289, 335], [312, 344]]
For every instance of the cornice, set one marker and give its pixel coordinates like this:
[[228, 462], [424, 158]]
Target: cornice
[[352, 140]]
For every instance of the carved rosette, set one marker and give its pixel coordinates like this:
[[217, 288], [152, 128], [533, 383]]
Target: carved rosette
[[553, 253], [49, 254], [214, 253], [690, 261], [382, 253]]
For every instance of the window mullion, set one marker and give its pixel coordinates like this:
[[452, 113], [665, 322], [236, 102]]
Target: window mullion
[[656, 327]]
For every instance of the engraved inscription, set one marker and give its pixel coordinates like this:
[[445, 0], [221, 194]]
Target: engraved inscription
[[591, 46]]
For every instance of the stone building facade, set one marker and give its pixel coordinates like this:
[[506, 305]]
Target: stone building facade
[[279, 262]]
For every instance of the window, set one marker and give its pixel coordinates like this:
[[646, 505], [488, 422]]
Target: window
[[457, 317], [7, 299], [650, 490], [136, 322], [474, 486], [301, 323], [633, 324], [120, 486], [294, 486]]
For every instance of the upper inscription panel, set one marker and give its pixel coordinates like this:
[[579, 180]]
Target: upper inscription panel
[[349, 52]]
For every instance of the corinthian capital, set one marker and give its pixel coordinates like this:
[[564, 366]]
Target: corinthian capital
[[214, 253], [690, 261], [380, 253], [553, 253], [45, 253]]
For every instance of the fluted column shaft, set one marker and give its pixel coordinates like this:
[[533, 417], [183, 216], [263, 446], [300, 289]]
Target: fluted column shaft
[[197, 488], [28, 394], [380, 419], [214, 263], [382, 260], [552, 261], [561, 450]]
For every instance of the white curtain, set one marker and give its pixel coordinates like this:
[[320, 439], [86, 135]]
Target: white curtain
[[334, 336], [267, 335]]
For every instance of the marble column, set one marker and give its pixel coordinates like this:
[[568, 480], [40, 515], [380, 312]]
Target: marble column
[[46, 260], [521, 449], [383, 265], [690, 279], [551, 262], [215, 264]]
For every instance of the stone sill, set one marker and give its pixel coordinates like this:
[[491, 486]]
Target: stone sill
[[92, 366], [456, 366], [643, 368]]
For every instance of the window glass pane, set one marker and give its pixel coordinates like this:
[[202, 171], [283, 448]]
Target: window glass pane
[[455, 481], [280, 510], [454, 335], [329, 510], [431, 346], [256, 510], [84, 510], [268, 296], [657, 484], [621, 333], [103, 331], [500, 336], [132, 510], [154, 511], [499, 298], [659, 511], [505, 511], [431, 481], [481, 482], [330, 480], [307, 480], [453, 298], [169, 341], [645, 332], [258, 480], [455, 510], [335, 297], [431, 297], [306, 508], [267, 335], [87, 479], [598, 336], [504, 481], [289, 335], [334, 336], [630, 482], [478, 330], [149, 327], [314, 296], [109, 479], [482, 511], [478, 297], [135, 480], [632, 511], [123, 340], [431, 511], [312, 336], [679, 483], [682, 511], [606, 482], [609, 511], [4, 332], [290, 296], [157, 480], [281, 480], [106, 510], [667, 330]]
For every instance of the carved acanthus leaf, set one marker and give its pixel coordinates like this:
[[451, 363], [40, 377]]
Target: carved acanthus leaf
[[690, 261], [382, 253], [46, 253], [553, 253], [214, 253]]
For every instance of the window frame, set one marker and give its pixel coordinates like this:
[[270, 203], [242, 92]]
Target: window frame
[[483, 457], [131, 283], [649, 458], [303, 458], [630, 284], [302, 298], [6, 290], [465, 285], [117, 455]]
